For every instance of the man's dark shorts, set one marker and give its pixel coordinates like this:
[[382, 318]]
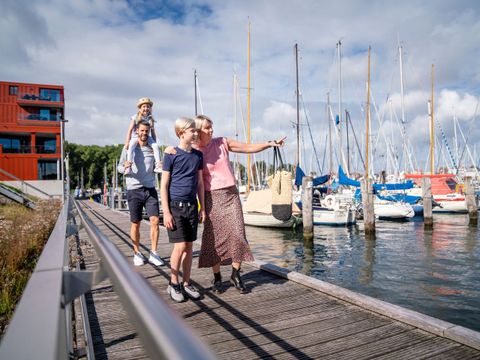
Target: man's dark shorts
[[140, 198], [185, 215]]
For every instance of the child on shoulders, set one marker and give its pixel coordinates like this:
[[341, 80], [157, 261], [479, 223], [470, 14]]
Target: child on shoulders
[[144, 113]]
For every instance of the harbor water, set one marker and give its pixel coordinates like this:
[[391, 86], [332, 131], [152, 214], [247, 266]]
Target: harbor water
[[435, 272]]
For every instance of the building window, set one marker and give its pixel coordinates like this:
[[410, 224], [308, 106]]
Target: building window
[[15, 144], [50, 95], [47, 169], [45, 114], [46, 146], [13, 90]]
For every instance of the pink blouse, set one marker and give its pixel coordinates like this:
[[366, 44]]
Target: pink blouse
[[217, 170]]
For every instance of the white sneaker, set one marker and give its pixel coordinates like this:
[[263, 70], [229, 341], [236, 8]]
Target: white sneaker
[[191, 291], [139, 259], [155, 259], [175, 292]]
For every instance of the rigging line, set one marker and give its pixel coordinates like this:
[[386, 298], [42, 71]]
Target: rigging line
[[446, 145], [311, 136], [356, 141], [324, 152]]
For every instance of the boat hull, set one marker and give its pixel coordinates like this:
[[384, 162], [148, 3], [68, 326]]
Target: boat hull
[[333, 217], [267, 220], [395, 211]]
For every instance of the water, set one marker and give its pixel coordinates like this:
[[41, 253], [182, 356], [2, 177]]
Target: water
[[433, 272]]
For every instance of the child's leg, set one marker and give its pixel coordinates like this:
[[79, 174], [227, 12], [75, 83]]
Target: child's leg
[[156, 154], [175, 261], [131, 148], [131, 155], [187, 262]]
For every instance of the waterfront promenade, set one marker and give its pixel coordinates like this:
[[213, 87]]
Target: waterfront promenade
[[285, 316]]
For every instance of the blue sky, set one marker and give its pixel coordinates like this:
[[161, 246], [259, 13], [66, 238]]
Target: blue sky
[[108, 54]]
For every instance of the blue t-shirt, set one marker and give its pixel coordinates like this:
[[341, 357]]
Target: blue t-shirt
[[183, 168]]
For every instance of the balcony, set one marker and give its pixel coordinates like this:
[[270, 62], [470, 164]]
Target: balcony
[[27, 149], [50, 99], [40, 117]]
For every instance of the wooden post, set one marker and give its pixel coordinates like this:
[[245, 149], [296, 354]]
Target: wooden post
[[471, 202], [427, 202], [368, 208], [307, 207]]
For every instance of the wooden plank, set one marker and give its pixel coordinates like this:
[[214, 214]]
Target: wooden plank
[[279, 319]]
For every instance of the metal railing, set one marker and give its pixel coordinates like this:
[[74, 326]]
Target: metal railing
[[24, 183], [40, 326]]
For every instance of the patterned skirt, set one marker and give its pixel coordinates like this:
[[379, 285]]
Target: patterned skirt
[[223, 239]]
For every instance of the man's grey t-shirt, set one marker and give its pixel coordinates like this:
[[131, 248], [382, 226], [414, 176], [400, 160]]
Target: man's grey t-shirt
[[144, 162]]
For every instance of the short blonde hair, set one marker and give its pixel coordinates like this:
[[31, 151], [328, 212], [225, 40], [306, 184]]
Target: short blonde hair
[[200, 119], [182, 124]]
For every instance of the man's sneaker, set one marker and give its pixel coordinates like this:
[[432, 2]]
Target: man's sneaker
[[191, 291], [139, 259], [155, 259], [175, 292]]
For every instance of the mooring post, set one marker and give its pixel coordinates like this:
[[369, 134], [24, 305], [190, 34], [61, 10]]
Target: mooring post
[[427, 202], [368, 206], [471, 202], [307, 207]]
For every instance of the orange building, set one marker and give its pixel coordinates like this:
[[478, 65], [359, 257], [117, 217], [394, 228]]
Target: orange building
[[30, 130]]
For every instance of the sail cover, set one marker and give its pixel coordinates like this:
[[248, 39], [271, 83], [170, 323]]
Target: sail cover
[[299, 174]]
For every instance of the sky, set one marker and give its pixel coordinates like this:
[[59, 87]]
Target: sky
[[107, 54]]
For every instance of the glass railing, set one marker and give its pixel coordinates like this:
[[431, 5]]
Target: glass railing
[[27, 149], [23, 149], [35, 97], [45, 149], [39, 117]]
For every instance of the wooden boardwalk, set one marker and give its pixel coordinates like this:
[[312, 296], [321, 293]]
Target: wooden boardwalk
[[278, 319]]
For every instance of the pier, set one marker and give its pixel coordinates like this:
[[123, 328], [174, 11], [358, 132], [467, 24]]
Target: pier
[[128, 314], [286, 314]]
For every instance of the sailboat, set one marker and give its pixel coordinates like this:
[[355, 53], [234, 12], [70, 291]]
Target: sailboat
[[257, 207], [446, 192]]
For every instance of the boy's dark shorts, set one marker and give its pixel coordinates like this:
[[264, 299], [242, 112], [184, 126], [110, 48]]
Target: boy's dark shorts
[[185, 214], [140, 198]]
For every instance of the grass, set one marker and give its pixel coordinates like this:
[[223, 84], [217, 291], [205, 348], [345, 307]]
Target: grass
[[23, 234]]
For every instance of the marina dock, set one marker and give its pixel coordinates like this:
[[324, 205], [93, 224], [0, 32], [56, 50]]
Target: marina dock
[[286, 315]]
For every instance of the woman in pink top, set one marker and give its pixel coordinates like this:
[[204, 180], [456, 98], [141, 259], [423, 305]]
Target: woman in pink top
[[223, 240]]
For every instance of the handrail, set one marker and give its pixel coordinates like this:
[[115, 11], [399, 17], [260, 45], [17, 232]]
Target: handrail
[[24, 183], [163, 332], [40, 327], [39, 323]]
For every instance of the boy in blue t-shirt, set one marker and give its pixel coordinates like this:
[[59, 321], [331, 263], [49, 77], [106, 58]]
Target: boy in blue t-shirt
[[182, 182]]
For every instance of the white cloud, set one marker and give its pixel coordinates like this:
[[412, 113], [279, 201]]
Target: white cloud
[[107, 56]]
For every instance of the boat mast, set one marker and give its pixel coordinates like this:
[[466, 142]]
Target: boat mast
[[432, 137], [195, 89], [330, 160], [237, 167], [248, 110], [367, 126], [297, 154], [339, 71], [404, 149]]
